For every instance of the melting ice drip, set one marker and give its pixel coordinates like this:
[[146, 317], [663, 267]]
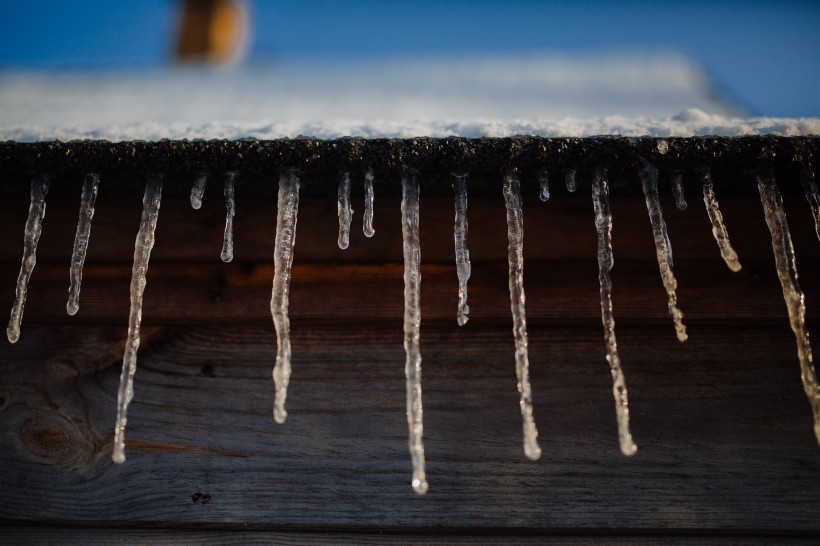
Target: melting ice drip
[[412, 324], [287, 210], [603, 225], [795, 299], [515, 236], [367, 219], [87, 201], [663, 247], [230, 207], [142, 254], [345, 211], [463, 267], [34, 226], [718, 228]]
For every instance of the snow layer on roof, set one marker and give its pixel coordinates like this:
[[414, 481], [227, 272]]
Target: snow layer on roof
[[659, 95]]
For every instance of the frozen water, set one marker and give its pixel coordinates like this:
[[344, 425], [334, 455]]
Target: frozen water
[[663, 147], [345, 211], [412, 324], [603, 225], [230, 206], [812, 195], [515, 237], [31, 236], [677, 191], [87, 200], [198, 190], [718, 227], [367, 218], [663, 248], [287, 210], [142, 254], [569, 178], [543, 186], [461, 250]]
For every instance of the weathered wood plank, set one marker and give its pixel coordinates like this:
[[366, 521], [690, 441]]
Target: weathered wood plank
[[725, 437]]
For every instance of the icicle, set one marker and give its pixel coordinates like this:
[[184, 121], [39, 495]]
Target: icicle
[[412, 324], [663, 248], [142, 254], [462, 253], [812, 195], [718, 227], [198, 190], [603, 224], [792, 294], [230, 206], [515, 235], [87, 200], [367, 219], [569, 178], [544, 183], [345, 211], [34, 226], [288, 208], [677, 190]]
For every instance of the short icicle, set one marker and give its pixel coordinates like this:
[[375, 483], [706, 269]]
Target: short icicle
[[230, 208], [515, 235], [412, 324], [367, 218], [87, 200], [462, 252], [792, 294], [812, 195], [142, 254], [569, 179], [31, 236], [345, 211], [544, 186], [198, 190], [718, 227], [663, 247], [287, 210], [677, 191], [603, 225]]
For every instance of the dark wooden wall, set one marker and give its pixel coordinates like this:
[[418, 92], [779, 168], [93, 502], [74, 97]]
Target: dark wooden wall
[[726, 449]]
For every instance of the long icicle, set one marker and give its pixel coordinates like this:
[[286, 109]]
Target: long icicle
[[31, 236], [663, 247], [87, 201], [515, 235], [412, 325], [345, 211], [367, 218], [142, 254], [463, 267], [718, 227], [792, 294], [230, 208], [812, 195], [198, 190], [603, 225], [288, 208]]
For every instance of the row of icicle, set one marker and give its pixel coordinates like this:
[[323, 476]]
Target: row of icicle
[[288, 205]]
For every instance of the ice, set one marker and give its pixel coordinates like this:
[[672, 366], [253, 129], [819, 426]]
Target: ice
[[462, 252], [663, 248], [230, 206], [288, 208], [142, 253], [89, 196], [569, 178], [412, 324], [198, 190], [718, 227], [792, 294], [677, 190], [603, 225], [515, 236], [544, 186], [367, 219], [663, 147], [345, 211], [34, 226], [812, 195]]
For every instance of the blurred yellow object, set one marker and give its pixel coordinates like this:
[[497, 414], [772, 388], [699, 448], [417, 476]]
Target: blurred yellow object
[[211, 31]]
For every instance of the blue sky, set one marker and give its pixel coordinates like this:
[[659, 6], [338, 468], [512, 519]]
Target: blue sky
[[763, 55]]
